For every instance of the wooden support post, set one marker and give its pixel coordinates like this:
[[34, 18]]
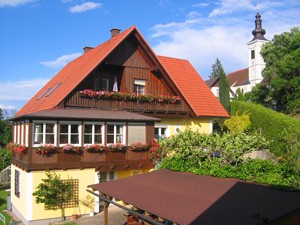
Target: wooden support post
[[105, 213]]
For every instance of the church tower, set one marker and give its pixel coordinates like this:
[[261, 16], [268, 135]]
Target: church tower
[[255, 60]]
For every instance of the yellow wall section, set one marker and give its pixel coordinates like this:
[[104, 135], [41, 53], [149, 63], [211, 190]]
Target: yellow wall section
[[19, 203], [29, 181], [203, 125], [86, 177]]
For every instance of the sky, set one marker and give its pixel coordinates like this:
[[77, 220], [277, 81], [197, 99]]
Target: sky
[[38, 37]]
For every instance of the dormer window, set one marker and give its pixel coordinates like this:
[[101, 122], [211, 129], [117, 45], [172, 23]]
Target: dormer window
[[139, 86], [101, 84]]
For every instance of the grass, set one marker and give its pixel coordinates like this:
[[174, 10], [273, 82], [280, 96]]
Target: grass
[[3, 205]]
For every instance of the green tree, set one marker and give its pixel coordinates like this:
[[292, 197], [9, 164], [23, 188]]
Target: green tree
[[5, 130], [218, 71], [282, 71], [53, 192]]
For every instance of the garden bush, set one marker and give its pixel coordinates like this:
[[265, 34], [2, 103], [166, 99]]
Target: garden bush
[[283, 131]]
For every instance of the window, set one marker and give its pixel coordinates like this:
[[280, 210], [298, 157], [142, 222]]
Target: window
[[93, 133], [139, 87], [106, 176], [17, 183], [115, 133], [44, 133], [136, 132], [69, 134], [252, 54], [101, 84], [160, 132]]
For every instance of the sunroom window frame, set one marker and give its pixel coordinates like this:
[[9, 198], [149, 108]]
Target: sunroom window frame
[[44, 122], [69, 123], [115, 135], [93, 132]]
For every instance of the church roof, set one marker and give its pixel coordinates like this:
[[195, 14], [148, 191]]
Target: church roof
[[238, 78]]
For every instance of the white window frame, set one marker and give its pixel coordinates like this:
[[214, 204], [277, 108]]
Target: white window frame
[[93, 132], [44, 132], [107, 176], [18, 134], [69, 123], [15, 133], [160, 126], [139, 86], [115, 132]]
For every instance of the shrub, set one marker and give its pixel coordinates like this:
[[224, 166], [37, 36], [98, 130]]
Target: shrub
[[274, 126]]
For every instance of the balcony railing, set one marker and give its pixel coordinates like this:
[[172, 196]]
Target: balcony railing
[[105, 161], [77, 100]]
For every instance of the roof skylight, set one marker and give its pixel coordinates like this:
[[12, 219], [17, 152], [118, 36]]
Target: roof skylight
[[53, 89], [42, 95]]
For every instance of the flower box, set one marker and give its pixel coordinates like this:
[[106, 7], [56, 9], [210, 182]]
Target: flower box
[[95, 148], [71, 149], [46, 149]]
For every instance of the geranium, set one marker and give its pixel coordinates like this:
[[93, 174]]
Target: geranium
[[139, 146], [155, 152], [95, 148], [118, 147], [46, 149], [17, 148], [71, 149], [128, 96]]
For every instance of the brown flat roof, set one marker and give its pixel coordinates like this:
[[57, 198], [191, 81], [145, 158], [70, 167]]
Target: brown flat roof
[[186, 198], [84, 114]]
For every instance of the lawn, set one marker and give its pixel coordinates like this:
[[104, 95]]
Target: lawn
[[3, 205]]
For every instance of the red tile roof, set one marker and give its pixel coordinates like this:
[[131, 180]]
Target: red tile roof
[[238, 78], [72, 74], [186, 198], [185, 77], [193, 88]]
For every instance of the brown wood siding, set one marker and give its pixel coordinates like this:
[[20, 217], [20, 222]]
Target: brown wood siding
[[128, 62]]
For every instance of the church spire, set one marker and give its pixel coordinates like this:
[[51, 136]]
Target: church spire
[[258, 32]]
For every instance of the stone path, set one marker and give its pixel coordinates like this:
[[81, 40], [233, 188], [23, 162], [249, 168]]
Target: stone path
[[115, 217]]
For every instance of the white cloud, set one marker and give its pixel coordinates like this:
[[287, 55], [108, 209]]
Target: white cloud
[[60, 61], [13, 3], [84, 7], [203, 39], [13, 95], [228, 6], [21, 90]]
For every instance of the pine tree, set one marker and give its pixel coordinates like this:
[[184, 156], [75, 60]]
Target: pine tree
[[218, 71]]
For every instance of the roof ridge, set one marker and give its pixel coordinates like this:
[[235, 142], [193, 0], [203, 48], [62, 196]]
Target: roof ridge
[[171, 57], [238, 70]]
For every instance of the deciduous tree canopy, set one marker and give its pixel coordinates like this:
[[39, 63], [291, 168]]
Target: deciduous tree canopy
[[282, 71]]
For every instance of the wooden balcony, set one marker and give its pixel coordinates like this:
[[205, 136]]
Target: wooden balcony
[[135, 106], [104, 162]]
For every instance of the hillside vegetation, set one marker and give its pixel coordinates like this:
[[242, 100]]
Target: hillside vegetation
[[281, 130]]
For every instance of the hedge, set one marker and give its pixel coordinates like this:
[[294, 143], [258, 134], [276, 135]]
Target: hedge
[[280, 129]]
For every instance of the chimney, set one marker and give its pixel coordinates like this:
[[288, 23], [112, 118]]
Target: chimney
[[86, 49], [114, 32]]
